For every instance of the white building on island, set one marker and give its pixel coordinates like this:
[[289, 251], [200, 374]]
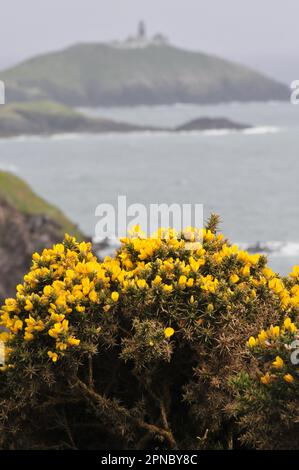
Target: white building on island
[[141, 39]]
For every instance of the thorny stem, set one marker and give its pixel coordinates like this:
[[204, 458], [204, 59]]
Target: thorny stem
[[90, 372], [104, 403]]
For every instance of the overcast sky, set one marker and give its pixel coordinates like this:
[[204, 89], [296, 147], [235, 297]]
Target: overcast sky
[[261, 33]]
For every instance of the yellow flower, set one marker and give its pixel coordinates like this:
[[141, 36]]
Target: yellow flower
[[289, 325], [61, 346], [295, 272], [276, 285], [288, 378], [58, 329], [278, 363], [80, 309], [47, 291], [293, 328], [87, 286], [20, 289], [262, 337], [246, 271], [18, 325], [36, 257], [168, 332], [4, 336], [266, 379], [141, 283], [58, 249], [252, 342], [93, 296], [167, 288], [157, 280], [209, 284], [182, 281], [268, 273], [73, 341], [274, 331], [10, 305], [53, 356], [234, 278], [115, 296], [28, 336], [190, 282], [29, 306], [253, 294]]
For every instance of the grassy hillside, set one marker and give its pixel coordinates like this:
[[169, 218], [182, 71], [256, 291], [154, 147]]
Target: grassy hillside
[[104, 75], [19, 195]]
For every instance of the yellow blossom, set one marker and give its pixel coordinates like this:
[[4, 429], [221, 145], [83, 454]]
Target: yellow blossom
[[93, 296], [234, 278], [29, 306], [53, 356], [252, 342], [115, 296], [278, 363], [28, 336], [274, 331], [288, 378], [73, 341], [47, 291], [141, 283], [246, 271], [168, 332], [266, 379], [262, 337], [157, 280], [167, 288]]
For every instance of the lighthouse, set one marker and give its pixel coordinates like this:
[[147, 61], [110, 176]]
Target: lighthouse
[[141, 31]]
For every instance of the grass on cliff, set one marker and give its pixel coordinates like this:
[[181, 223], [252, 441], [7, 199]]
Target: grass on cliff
[[93, 74], [18, 194], [34, 108]]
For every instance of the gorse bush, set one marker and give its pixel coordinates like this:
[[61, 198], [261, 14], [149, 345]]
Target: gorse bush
[[267, 400], [139, 351]]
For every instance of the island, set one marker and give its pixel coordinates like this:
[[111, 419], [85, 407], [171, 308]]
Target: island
[[45, 118]]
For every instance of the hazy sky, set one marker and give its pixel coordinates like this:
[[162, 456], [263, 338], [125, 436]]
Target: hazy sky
[[261, 33]]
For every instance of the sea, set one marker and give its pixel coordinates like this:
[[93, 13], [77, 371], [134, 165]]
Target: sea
[[250, 178]]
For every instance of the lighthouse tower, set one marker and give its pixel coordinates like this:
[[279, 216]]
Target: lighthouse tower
[[141, 31]]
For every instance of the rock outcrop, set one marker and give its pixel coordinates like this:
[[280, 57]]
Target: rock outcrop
[[27, 224], [20, 236]]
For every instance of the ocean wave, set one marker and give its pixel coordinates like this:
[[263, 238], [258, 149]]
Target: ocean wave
[[261, 130], [23, 138], [214, 132], [68, 136], [143, 134]]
